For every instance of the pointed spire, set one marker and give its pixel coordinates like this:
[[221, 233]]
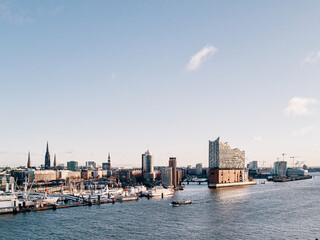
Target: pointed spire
[[109, 158], [47, 158], [29, 161], [55, 161]]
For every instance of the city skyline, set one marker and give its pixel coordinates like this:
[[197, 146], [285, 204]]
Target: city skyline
[[99, 77]]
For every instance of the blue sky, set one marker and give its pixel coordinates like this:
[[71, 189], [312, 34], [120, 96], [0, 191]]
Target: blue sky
[[93, 77]]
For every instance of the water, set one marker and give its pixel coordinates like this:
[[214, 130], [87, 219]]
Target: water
[[272, 211]]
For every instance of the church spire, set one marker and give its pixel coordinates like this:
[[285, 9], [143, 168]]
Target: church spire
[[55, 161], [47, 158], [29, 161]]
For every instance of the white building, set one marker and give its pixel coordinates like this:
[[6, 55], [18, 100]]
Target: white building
[[221, 156]]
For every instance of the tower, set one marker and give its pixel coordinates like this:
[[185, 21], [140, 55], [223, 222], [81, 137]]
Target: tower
[[55, 161], [109, 162], [47, 158], [29, 161], [173, 165], [147, 167]]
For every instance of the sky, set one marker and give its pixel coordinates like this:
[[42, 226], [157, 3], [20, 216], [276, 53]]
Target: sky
[[92, 77]]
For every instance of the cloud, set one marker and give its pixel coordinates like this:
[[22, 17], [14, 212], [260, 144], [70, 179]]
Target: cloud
[[303, 131], [301, 106], [17, 18], [311, 58], [256, 139], [200, 57]]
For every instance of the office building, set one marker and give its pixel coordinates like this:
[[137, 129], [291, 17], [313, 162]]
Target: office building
[[72, 165], [199, 169], [147, 167], [280, 168], [173, 165], [166, 176], [253, 165], [91, 165]]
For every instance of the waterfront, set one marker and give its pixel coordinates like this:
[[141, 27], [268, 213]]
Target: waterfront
[[273, 211]]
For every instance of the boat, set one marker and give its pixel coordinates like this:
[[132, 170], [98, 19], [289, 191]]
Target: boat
[[131, 197], [7, 202], [183, 202], [176, 205], [160, 191]]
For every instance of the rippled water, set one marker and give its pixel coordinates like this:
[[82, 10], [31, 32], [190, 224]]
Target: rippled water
[[273, 211]]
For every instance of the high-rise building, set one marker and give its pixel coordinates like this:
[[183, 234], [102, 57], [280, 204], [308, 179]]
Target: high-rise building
[[253, 165], [166, 176], [199, 169], [280, 168], [226, 164], [29, 161], [147, 167], [173, 165], [72, 165], [47, 158], [91, 165]]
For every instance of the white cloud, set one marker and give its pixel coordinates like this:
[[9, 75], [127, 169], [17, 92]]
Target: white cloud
[[303, 131], [256, 139], [301, 106], [17, 18], [311, 58], [200, 57]]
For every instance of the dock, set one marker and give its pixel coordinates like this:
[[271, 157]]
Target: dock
[[236, 184]]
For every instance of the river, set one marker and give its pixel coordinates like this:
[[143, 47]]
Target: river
[[289, 210]]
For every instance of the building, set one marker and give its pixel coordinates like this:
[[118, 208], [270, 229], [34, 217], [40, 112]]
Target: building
[[107, 165], [226, 165], [199, 169], [253, 165], [86, 174], [72, 165], [166, 176], [297, 172], [147, 167], [41, 176], [47, 158], [91, 165], [280, 168], [173, 165]]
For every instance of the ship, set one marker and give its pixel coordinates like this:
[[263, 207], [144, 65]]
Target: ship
[[179, 203], [160, 191]]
